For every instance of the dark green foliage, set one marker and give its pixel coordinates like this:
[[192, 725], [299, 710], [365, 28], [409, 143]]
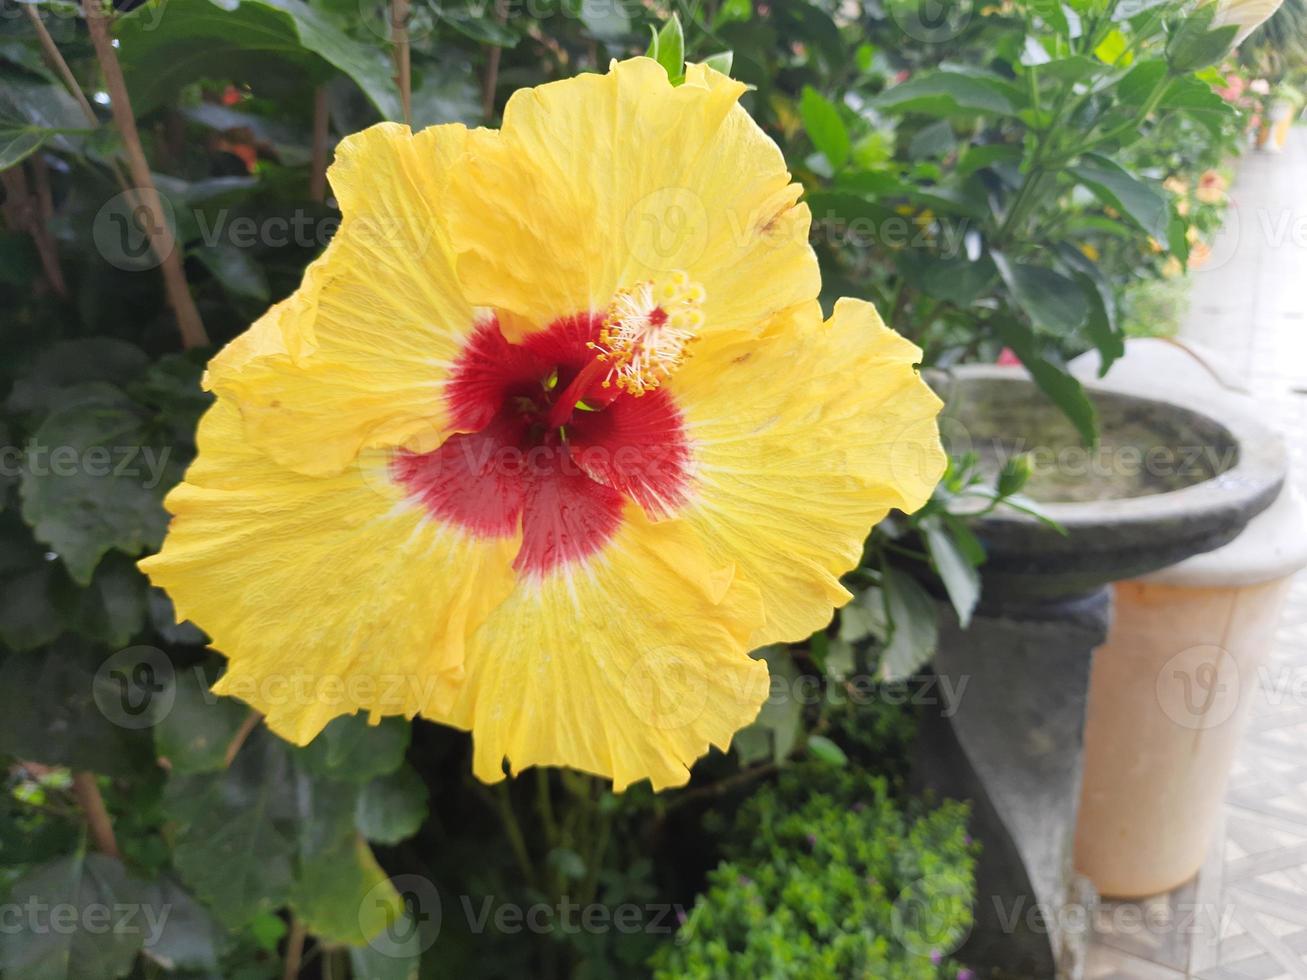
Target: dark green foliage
[[829, 876]]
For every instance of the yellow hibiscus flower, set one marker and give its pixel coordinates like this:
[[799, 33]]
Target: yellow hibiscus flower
[[550, 437]]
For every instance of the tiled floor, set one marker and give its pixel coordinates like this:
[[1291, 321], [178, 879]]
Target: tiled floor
[[1245, 917]]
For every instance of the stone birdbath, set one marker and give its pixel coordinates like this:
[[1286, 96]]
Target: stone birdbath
[[1168, 481]]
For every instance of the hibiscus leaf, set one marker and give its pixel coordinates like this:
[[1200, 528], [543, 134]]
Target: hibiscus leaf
[[947, 92], [164, 47], [392, 807], [53, 708], [914, 624], [235, 843], [668, 49], [94, 479], [773, 734], [1065, 391], [188, 935], [960, 577], [825, 128], [722, 61], [194, 735], [823, 749], [97, 940], [1051, 300], [1116, 187], [340, 892], [352, 750]]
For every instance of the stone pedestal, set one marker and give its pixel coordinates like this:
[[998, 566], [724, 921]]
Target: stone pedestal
[[1010, 741]]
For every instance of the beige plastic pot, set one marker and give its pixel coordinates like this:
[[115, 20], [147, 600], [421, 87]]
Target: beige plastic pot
[[1171, 690]]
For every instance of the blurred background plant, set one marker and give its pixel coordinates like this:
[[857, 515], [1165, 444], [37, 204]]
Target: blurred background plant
[[1015, 180]]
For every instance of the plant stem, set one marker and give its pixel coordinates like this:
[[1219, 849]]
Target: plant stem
[[1151, 103], [492, 65], [318, 165], [189, 324], [23, 212], [250, 723], [399, 11], [56, 60], [594, 861], [516, 840], [87, 792], [294, 949], [544, 803]]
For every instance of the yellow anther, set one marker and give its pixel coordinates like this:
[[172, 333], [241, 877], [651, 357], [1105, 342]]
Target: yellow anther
[[646, 332]]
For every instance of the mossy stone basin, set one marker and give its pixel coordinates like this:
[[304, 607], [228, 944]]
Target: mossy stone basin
[[1167, 481]]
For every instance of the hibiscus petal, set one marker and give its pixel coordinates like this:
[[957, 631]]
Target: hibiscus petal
[[328, 595], [630, 667], [359, 354], [803, 441], [637, 446], [602, 181]]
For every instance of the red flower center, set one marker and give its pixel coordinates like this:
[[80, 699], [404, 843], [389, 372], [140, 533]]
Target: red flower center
[[546, 447]]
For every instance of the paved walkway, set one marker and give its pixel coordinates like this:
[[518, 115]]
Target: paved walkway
[[1245, 917]]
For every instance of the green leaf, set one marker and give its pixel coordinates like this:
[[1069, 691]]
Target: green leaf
[[1142, 202], [773, 734], [31, 108], [195, 734], [478, 26], [388, 958], [1114, 48], [1065, 391], [1194, 45], [343, 895], [235, 270], [864, 617], [352, 750], [1177, 236], [84, 921], [933, 141], [824, 750], [1050, 299], [1197, 100], [73, 362], [946, 92], [95, 479], [188, 935], [234, 840], [19, 143], [392, 807], [960, 577], [566, 862], [112, 608], [955, 280], [1109, 341], [1076, 68], [50, 711], [824, 126], [668, 49], [1140, 81], [914, 622], [721, 62], [979, 157], [164, 47], [1051, 13]]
